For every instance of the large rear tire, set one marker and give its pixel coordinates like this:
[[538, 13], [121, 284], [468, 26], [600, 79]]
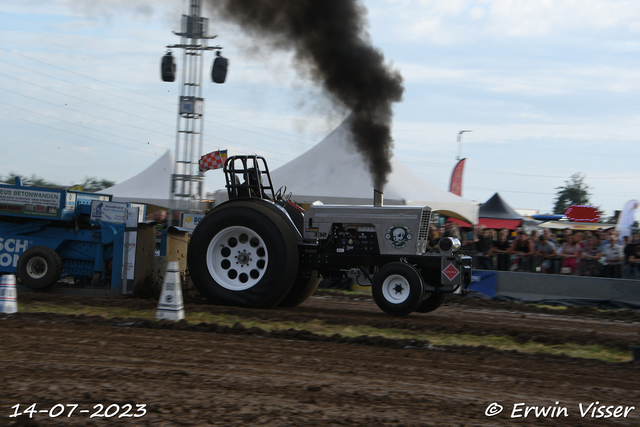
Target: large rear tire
[[303, 287], [39, 267], [243, 254], [397, 288], [431, 303]]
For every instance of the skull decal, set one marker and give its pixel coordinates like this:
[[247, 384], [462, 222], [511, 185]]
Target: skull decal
[[398, 235]]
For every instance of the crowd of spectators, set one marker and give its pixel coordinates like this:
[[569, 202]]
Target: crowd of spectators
[[600, 253]]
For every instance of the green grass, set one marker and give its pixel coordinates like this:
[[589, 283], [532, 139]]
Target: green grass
[[550, 307], [320, 328]]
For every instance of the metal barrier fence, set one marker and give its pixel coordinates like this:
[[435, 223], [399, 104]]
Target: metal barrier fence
[[533, 264]]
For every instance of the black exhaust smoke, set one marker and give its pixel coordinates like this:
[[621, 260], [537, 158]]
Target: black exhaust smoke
[[331, 45]]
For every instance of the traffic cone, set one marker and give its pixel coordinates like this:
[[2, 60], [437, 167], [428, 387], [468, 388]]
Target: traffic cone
[[170, 305], [8, 294]]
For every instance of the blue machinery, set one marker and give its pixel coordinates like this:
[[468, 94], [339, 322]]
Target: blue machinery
[[46, 234]]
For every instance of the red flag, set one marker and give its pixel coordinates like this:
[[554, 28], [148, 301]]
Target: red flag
[[213, 160], [455, 186]]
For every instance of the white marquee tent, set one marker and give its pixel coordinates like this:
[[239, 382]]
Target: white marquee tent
[[149, 187], [333, 172]]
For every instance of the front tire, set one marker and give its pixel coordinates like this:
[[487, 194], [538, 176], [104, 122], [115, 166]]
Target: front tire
[[397, 288], [39, 267], [243, 254], [431, 303]]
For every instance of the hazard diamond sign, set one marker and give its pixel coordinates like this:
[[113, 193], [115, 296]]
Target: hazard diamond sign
[[451, 272]]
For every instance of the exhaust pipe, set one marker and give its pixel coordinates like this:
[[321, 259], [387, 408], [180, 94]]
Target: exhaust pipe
[[377, 198]]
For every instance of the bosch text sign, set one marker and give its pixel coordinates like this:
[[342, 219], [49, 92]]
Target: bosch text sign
[[10, 250]]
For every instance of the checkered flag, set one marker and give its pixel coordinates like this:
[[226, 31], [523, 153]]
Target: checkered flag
[[213, 160]]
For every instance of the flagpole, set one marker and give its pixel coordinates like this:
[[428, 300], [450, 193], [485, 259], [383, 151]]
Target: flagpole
[[460, 143]]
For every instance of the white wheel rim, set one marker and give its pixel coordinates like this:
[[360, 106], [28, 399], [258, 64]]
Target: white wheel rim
[[395, 289], [237, 258], [37, 267]]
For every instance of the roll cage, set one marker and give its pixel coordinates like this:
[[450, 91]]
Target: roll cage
[[248, 176]]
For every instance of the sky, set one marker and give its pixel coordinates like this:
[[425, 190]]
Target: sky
[[548, 89]]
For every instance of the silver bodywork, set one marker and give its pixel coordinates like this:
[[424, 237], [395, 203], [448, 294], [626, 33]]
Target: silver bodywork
[[400, 230]]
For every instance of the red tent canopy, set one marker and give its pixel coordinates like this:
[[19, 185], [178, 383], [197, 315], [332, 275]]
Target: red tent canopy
[[490, 223], [459, 222], [497, 224]]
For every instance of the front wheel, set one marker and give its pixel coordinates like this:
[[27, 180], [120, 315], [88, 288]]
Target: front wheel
[[244, 254], [39, 267], [397, 288]]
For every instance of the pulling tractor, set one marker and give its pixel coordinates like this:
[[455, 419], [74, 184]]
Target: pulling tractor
[[260, 249]]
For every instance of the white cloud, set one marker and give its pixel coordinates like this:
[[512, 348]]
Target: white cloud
[[547, 17], [448, 22], [543, 80], [477, 13], [111, 8]]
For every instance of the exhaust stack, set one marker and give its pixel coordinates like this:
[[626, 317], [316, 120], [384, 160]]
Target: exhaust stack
[[377, 198]]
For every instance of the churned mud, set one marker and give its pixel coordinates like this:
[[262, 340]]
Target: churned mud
[[160, 373]]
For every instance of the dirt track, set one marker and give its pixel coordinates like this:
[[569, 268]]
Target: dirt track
[[212, 375]]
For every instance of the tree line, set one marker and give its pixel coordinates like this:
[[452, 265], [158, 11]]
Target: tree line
[[574, 192], [90, 184]]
